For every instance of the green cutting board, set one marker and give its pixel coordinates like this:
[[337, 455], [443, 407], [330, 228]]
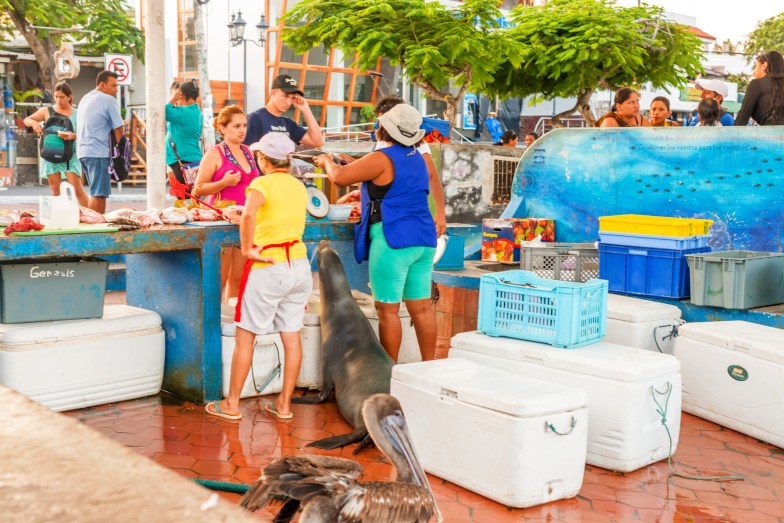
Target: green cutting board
[[83, 228]]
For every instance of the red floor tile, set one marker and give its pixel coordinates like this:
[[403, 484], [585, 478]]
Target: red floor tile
[[182, 437]]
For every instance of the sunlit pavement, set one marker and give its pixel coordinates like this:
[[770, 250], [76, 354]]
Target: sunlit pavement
[[182, 437]]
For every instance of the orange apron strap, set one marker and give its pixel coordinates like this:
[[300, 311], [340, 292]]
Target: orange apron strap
[[249, 266]]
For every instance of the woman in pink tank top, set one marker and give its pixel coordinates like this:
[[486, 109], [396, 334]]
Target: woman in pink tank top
[[224, 173], [228, 168]]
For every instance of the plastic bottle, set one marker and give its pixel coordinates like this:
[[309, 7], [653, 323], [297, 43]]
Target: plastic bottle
[[60, 212]]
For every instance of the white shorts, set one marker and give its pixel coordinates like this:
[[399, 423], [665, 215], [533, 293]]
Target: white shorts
[[275, 298]]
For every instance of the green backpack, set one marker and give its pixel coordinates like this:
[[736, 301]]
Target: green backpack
[[53, 148]]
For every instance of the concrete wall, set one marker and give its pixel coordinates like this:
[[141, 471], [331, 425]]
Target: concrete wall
[[467, 175]]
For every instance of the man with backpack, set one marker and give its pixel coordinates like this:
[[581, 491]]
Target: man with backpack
[[99, 117]]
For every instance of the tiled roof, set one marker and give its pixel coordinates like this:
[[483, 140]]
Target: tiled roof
[[700, 33]]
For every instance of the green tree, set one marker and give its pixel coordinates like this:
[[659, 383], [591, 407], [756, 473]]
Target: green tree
[[741, 79], [571, 48], [767, 36], [435, 46], [98, 26]]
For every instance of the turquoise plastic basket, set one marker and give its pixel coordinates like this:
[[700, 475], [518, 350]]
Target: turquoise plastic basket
[[518, 304]]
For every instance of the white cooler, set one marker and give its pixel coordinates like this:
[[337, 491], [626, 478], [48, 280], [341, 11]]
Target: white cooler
[[733, 375], [267, 355], [71, 364], [625, 431], [634, 323], [493, 433]]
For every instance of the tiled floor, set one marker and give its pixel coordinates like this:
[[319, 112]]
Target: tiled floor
[[180, 436]]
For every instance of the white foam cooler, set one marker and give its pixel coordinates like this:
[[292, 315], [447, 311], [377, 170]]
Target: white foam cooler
[[267, 354], [733, 373], [624, 430], [634, 323], [72, 364], [492, 433]]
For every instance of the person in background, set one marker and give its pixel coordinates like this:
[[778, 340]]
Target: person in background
[[764, 100], [183, 118], [225, 172], [626, 111], [709, 113], [396, 234], [45, 96], [100, 116], [508, 139], [530, 138], [716, 90], [284, 94], [277, 281], [70, 171], [660, 112], [493, 127]]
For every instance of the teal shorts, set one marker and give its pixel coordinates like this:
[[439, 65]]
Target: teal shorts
[[397, 274]]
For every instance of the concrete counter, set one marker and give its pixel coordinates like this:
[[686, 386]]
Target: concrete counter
[[174, 270]]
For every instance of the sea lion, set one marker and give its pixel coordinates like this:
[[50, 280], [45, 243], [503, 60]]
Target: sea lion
[[353, 361]]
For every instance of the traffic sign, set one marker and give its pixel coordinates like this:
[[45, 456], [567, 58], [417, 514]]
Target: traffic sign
[[120, 64]]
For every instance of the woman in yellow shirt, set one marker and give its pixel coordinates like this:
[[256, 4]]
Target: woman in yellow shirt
[[277, 280]]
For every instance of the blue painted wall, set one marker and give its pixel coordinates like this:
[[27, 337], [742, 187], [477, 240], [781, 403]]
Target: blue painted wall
[[732, 175]]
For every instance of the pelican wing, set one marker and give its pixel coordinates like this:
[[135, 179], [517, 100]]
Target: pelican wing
[[378, 502], [298, 477]]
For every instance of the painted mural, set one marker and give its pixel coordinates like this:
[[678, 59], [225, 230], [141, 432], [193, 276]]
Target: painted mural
[[732, 175]]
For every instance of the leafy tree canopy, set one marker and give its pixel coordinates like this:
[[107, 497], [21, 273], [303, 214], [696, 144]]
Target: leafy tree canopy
[[767, 36], [573, 47], [433, 44], [110, 28]]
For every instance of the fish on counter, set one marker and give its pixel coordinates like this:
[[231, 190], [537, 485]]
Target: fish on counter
[[87, 215]]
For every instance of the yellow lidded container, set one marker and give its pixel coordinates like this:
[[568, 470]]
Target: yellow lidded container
[[654, 225]]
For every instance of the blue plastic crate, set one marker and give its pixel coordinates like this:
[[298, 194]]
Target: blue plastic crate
[[518, 304], [654, 242], [647, 272]]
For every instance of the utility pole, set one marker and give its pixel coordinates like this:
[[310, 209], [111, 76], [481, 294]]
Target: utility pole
[[155, 95]]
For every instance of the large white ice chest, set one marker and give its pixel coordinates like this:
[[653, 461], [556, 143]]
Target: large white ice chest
[[72, 364], [493, 433], [625, 430], [733, 375], [641, 323], [268, 349], [267, 354]]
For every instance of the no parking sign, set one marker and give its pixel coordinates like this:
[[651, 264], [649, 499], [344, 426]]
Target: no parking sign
[[120, 64]]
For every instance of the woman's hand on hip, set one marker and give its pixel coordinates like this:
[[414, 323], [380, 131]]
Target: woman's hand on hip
[[254, 254]]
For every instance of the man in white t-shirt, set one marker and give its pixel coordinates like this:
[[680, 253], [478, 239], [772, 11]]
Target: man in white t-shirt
[[99, 115]]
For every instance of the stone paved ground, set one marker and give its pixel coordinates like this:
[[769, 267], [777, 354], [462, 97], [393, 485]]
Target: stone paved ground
[[180, 436]]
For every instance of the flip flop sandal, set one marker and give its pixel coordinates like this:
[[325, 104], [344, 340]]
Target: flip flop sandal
[[219, 413], [270, 408]]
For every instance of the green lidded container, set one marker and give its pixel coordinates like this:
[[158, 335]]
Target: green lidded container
[[55, 289]]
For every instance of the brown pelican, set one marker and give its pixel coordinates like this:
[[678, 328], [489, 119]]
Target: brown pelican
[[326, 489]]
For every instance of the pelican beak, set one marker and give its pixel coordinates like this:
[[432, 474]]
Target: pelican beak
[[397, 433]]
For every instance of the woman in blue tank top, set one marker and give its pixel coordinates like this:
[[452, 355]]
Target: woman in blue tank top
[[396, 233]]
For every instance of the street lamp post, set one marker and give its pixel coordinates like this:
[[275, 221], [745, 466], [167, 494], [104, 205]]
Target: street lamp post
[[237, 37]]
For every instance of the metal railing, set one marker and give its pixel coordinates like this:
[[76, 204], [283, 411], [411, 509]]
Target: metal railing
[[544, 124], [357, 132]]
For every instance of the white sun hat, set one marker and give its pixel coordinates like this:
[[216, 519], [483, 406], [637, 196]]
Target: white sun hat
[[274, 145], [402, 123]]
